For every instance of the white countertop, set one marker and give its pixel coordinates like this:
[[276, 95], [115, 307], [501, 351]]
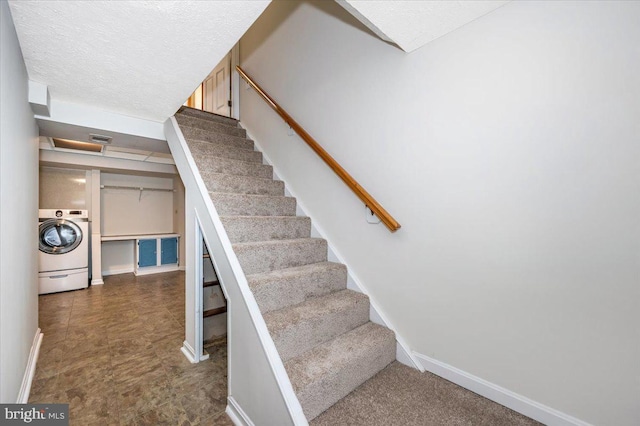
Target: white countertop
[[136, 237]]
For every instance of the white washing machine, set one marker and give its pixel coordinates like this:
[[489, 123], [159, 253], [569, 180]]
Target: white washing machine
[[63, 239]]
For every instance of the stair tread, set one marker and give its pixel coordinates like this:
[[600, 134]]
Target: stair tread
[[210, 116], [260, 256], [203, 121], [298, 328], [257, 196], [255, 279], [316, 362], [240, 184], [210, 283], [205, 143], [253, 169], [284, 287], [214, 132], [204, 149], [215, 311], [235, 161], [253, 204], [263, 228], [330, 371], [313, 308], [259, 217], [278, 242], [197, 133], [217, 175]]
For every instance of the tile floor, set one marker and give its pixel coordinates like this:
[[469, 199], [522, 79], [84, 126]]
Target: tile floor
[[113, 353]]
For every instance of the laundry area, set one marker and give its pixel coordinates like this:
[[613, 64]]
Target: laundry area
[[123, 223], [118, 213], [111, 284]]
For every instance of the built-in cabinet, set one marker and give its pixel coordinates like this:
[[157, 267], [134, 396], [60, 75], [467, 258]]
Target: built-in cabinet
[[141, 221], [156, 254], [151, 253]]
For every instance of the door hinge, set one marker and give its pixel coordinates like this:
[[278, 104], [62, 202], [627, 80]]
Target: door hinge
[[229, 103]]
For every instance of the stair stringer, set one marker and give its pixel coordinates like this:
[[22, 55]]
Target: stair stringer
[[260, 391], [404, 354]]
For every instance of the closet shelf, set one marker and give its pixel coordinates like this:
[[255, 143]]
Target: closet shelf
[[136, 188]]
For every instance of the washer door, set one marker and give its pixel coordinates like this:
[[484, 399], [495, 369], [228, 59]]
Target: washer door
[[59, 236]]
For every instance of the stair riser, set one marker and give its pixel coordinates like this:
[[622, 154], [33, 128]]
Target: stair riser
[[219, 138], [246, 205], [338, 383], [208, 116], [256, 258], [307, 330], [280, 291], [246, 229], [213, 149], [208, 165], [243, 185], [212, 126]]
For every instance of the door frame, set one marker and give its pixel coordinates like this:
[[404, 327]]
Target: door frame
[[235, 82]]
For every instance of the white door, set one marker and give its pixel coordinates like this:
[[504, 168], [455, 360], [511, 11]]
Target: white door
[[217, 88]]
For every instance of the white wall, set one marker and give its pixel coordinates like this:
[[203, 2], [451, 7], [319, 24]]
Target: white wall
[[508, 150], [178, 217], [18, 214], [62, 188], [127, 212]]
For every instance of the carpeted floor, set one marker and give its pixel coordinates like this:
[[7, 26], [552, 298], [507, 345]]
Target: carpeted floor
[[402, 396]]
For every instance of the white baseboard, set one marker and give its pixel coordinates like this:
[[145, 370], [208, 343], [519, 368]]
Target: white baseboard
[[97, 282], [502, 396], [108, 272], [148, 270], [30, 371], [189, 352], [237, 415]]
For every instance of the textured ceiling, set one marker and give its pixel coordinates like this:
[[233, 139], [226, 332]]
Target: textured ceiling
[[137, 58], [412, 24]]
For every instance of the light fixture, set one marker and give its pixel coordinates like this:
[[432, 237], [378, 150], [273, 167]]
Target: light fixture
[[77, 145]]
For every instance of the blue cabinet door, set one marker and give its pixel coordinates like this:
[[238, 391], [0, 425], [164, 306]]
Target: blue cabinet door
[[147, 253], [169, 253]]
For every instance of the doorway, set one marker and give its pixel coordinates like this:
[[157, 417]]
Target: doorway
[[216, 92], [216, 89]]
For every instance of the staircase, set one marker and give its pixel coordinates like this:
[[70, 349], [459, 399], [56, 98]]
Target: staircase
[[320, 328]]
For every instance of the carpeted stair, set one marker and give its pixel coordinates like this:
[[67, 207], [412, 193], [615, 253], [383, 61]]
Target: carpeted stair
[[320, 328]]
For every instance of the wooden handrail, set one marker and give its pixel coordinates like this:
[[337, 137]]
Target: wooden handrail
[[366, 198]]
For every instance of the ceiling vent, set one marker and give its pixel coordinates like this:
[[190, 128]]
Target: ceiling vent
[[101, 139]]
